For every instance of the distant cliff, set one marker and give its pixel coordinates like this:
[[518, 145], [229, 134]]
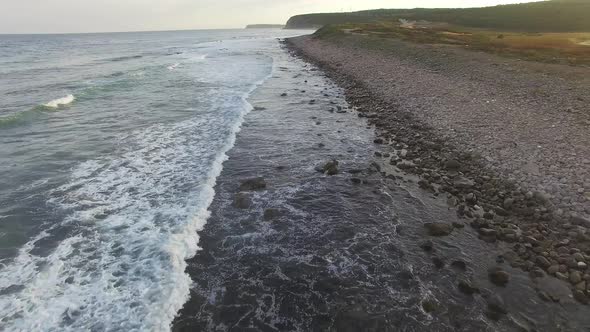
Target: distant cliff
[[265, 26], [543, 16]]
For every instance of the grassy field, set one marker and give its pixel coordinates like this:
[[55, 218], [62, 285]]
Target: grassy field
[[541, 16], [567, 48]]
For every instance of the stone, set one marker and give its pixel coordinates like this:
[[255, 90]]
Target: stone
[[271, 214], [496, 304], [438, 228], [553, 269], [581, 286], [508, 202], [253, 184], [427, 246], [467, 287], [580, 296], [452, 165], [463, 183], [575, 277], [378, 141], [331, 167], [242, 201], [459, 265], [488, 232], [438, 262], [543, 262], [578, 257], [498, 276], [429, 305]]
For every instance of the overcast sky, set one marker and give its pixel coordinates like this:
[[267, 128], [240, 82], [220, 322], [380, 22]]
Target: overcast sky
[[50, 16]]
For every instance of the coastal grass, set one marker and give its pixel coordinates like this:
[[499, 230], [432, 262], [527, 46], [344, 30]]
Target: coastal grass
[[571, 48]]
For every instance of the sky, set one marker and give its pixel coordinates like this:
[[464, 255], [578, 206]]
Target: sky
[[60, 16]]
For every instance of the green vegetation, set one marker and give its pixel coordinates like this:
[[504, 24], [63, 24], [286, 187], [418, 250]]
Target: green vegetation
[[567, 48], [543, 16]]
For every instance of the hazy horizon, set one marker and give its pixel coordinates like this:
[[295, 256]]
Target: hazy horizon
[[71, 16]]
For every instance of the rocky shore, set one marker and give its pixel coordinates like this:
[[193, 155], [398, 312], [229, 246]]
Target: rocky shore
[[505, 142]]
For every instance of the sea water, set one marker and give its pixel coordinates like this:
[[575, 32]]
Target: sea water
[[110, 145]]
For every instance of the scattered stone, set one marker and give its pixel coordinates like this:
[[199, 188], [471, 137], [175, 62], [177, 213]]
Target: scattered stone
[[253, 184], [439, 228], [331, 167], [575, 277], [496, 307], [463, 183], [378, 141], [429, 305], [284, 94], [242, 201], [458, 225], [452, 165], [580, 296], [271, 214], [467, 287], [427, 246], [498, 276], [543, 262], [438, 262], [459, 265]]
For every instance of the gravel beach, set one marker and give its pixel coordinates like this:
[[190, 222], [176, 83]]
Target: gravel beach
[[507, 142]]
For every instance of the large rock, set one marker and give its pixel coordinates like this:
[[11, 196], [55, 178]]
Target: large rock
[[242, 201], [253, 184], [466, 287], [331, 167], [498, 276], [438, 228]]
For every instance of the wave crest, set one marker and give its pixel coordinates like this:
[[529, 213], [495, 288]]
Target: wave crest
[[60, 102]]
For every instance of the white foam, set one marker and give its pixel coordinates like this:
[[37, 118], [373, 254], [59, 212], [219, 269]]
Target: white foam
[[60, 102], [174, 66]]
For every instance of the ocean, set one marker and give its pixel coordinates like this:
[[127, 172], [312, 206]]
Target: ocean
[[110, 148]]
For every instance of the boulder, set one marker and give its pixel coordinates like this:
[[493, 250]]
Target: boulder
[[331, 167], [242, 201], [253, 184], [467, 287], [498, 276], [438, 228], [271, 214]]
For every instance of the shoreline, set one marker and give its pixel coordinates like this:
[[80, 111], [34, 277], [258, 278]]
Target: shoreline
[[294, 243], [539, 238]]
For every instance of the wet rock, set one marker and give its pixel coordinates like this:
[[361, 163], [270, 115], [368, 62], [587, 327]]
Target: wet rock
[[284, 94], [452, 165], [242, 201], [427, 246], [543, 262], [488, 232], [496, 307], [378, 141], [459, 265], [580, 296], [253, 184], [331, 167], [271, 214], [438, 262], [429, 305], [463, 183], [575, 277], [438, 228], [356, 180], [467, 287], [553, 269], [498, 276], [458, 225]]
